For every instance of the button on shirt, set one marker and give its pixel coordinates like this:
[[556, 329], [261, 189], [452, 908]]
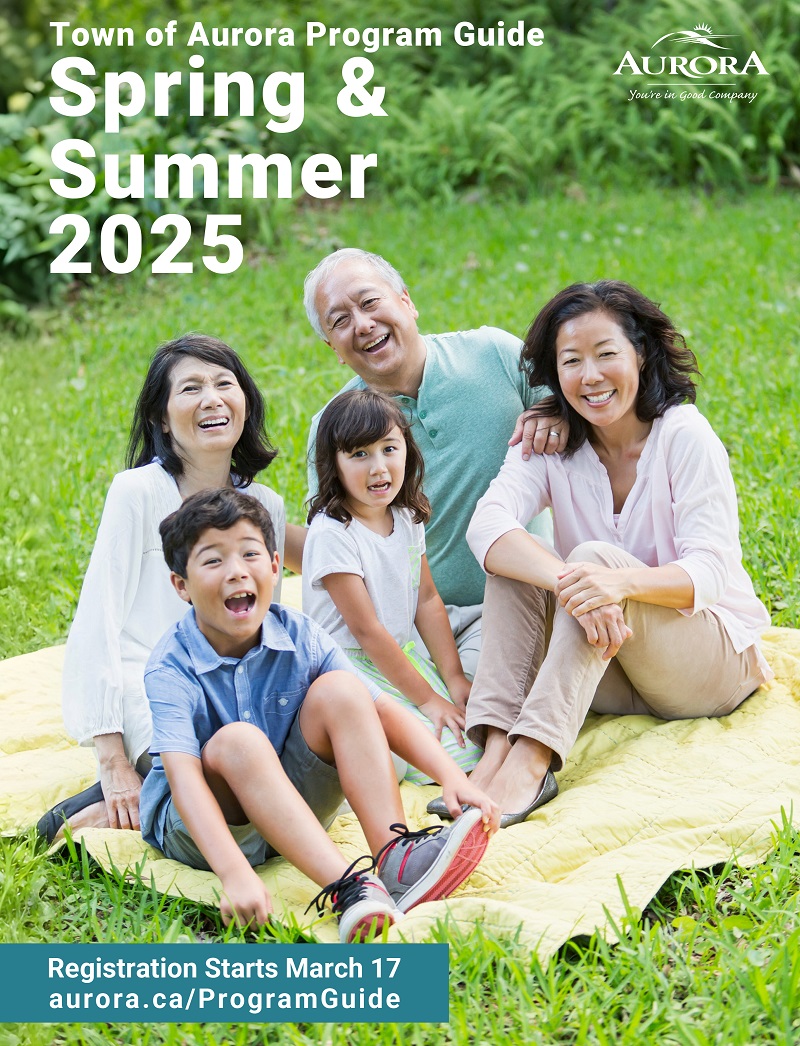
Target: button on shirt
[[193, 692], [127, 604]]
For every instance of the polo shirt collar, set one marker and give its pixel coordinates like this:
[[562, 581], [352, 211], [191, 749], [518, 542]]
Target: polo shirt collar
[[427, 368], [205, 658]]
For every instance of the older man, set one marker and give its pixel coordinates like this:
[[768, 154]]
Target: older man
[[463, 392]]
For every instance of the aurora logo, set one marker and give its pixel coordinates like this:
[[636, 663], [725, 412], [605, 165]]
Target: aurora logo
[[701, 34], [696, 66]]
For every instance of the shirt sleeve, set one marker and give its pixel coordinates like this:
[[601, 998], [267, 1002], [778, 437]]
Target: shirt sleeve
[[311, 467], [509, 348], [92, 686], [173, 699], [518, 492], [705, 510], [329, 549], [419, 538]]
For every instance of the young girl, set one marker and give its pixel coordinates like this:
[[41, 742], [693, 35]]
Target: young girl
[[366, 578]]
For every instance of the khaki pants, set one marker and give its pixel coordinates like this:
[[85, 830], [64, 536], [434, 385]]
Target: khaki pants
[[538, 676]]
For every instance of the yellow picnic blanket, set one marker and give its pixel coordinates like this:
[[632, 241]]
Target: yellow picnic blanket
[[639, 799]]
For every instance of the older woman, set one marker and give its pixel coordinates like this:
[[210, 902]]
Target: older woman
[[645, 600], [198, 424]]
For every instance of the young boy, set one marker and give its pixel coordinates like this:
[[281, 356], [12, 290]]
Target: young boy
[[260, 728]]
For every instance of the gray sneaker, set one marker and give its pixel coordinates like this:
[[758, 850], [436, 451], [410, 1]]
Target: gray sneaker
[[362, 903], [429, 864]]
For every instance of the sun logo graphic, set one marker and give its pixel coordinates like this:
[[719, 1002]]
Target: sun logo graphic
[[701, 34]]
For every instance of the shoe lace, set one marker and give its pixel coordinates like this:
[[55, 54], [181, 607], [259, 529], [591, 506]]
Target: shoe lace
[[405, 835], [346, 890]]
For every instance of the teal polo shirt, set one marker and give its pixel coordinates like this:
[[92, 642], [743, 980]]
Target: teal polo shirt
[[471, 395]]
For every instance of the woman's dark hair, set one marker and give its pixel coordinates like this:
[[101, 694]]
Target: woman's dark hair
[[356, 419], [210, 510], [148, 440], [666, 375]]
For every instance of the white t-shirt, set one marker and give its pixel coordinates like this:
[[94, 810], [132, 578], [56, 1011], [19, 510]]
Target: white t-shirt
[[126, 605], [390, 567]]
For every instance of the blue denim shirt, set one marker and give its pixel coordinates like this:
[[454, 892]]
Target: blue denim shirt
[[193, 692]]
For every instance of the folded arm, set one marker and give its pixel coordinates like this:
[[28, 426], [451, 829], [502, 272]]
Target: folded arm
[[704, 515], [518, 555], [582, 587]]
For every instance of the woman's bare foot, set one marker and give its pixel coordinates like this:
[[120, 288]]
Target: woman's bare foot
[[94, 816], [519, 780], [494, 755]]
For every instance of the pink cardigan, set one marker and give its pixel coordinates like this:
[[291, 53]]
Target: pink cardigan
[[682, 509]]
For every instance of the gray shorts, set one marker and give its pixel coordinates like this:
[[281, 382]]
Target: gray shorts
[[316, 781]]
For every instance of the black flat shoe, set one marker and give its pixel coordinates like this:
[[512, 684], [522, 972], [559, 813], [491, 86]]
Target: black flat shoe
[[50, 822], [548, 791]]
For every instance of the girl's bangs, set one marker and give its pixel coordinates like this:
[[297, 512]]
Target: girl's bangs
[[369, 423]]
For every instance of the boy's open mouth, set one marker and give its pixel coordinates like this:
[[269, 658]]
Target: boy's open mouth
[[240, 602]]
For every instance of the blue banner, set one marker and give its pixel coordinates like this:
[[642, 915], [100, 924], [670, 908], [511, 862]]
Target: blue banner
[[196, 982]]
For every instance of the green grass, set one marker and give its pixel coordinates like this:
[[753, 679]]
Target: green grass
[[714, 959], [726, 269]]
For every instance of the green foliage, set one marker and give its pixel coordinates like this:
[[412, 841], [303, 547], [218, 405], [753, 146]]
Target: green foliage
[[23, 54], [27, 204], [518, 120]]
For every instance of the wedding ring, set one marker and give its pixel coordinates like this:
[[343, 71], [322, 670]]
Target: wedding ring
[[554, 432]]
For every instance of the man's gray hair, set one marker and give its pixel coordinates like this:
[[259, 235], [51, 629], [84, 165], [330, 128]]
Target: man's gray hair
[[386, 271]]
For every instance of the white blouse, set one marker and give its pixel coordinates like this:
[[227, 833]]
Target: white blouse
[[681, 509], [127, 603]]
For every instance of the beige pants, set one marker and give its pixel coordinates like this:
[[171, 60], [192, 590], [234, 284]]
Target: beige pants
[[538, 676]]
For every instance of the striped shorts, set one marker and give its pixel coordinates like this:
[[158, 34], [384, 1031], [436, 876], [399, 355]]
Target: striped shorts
[[466, 757]]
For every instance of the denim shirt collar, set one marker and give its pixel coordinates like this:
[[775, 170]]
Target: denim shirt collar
[[205, 658]]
